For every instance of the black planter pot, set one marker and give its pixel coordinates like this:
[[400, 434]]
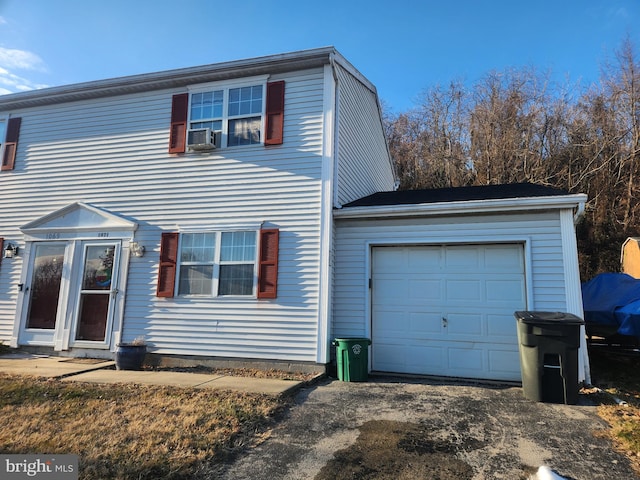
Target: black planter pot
[[130, 357]]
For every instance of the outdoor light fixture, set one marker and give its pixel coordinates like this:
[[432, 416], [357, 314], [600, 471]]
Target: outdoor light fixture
[[10, 251], [137, 250]]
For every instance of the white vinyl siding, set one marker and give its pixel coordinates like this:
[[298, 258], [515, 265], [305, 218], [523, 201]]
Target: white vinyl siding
[[363, 164], [540, 232], [112, 153]]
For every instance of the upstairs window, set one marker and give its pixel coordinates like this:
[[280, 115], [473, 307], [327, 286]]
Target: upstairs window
[[234, 116]]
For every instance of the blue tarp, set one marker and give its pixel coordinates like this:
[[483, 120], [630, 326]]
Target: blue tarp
[[613, 300]]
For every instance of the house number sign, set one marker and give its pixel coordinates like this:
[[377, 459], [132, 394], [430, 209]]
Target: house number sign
[[58, 235]]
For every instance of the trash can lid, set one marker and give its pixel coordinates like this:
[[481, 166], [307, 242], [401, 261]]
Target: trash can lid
[[549, 318]]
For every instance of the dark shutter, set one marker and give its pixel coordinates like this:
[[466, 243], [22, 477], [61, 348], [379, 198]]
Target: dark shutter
[[178, 133], [1, 249], [268, 263], [11, 143], [275, 113], [168, 264]]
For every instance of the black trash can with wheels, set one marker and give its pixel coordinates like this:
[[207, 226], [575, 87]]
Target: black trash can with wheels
[[548, 344]]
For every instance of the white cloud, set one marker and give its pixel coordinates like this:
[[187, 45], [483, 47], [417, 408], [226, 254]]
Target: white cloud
[[13, 59], [20, 59]]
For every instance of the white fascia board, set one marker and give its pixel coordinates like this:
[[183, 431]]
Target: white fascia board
[[465, 207], [177, 78]]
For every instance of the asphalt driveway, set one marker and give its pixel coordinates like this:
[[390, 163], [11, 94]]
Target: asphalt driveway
[[398, 428]]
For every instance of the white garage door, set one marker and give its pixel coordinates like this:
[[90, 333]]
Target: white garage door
[[447, 310]]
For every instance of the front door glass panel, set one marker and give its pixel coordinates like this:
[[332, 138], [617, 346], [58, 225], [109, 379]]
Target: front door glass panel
[[44, 291], [95, 293]]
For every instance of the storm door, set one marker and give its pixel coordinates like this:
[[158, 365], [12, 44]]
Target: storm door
[[96, 292], [42, 292]]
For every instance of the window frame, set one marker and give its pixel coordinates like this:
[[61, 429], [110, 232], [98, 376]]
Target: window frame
[[216, 263], [4, 119], [226, 86]]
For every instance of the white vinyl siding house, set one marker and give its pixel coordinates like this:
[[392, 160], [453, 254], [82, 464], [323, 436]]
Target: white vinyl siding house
[[98, 152], [256, 247]]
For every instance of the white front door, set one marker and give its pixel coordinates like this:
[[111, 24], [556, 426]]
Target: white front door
[[69, 294], [95, 293], [42, 292]]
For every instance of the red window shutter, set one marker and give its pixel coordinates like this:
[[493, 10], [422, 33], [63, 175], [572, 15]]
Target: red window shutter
[[268, 263], [168, 264], [178, 133], [275, 113], [11, 143]]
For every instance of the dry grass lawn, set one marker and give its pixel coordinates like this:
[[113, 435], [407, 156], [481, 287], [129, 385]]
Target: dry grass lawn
[[619, 376], [131, 431]]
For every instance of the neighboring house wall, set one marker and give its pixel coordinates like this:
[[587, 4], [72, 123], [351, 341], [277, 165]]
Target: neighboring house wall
[[354, 238], [112, 153], [363, 162]]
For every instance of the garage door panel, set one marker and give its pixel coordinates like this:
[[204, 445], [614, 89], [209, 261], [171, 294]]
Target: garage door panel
[[502, 328], [502, 362], [390, 260], [464, 324], [508, 290], [500, 258], [391, 288], [391, 323], [422, 290], [464, 290], [417, 356], [461, 259], [475, 287], [465, 360], [422, 260], [424, 324]]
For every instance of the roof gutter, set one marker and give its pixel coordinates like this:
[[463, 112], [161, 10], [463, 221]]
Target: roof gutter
[[466, 207], [168, 79]]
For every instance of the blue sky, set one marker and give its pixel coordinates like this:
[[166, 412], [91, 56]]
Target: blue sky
[[402, 46]]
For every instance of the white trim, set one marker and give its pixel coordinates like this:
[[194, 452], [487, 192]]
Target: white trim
[[326, 219], [464, 207], [97, 220], [572, 288], [3, 138], [226, 84], [226, 227], [525, 241]]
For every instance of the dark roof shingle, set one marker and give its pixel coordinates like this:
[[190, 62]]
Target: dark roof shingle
[[456, 194]]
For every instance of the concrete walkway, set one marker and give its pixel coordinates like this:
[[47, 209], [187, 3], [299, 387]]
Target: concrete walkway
[[104, 371]]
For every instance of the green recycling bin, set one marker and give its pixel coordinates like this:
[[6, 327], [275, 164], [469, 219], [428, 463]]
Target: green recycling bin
[[549, 343], [352, 358]]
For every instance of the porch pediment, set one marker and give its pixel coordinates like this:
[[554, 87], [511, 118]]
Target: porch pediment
[[79, 217]]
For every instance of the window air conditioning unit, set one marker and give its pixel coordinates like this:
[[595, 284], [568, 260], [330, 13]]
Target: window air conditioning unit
[[202, 139]]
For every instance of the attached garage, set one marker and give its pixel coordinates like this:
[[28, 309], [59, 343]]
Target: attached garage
[[447, 308], [433, 277]]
